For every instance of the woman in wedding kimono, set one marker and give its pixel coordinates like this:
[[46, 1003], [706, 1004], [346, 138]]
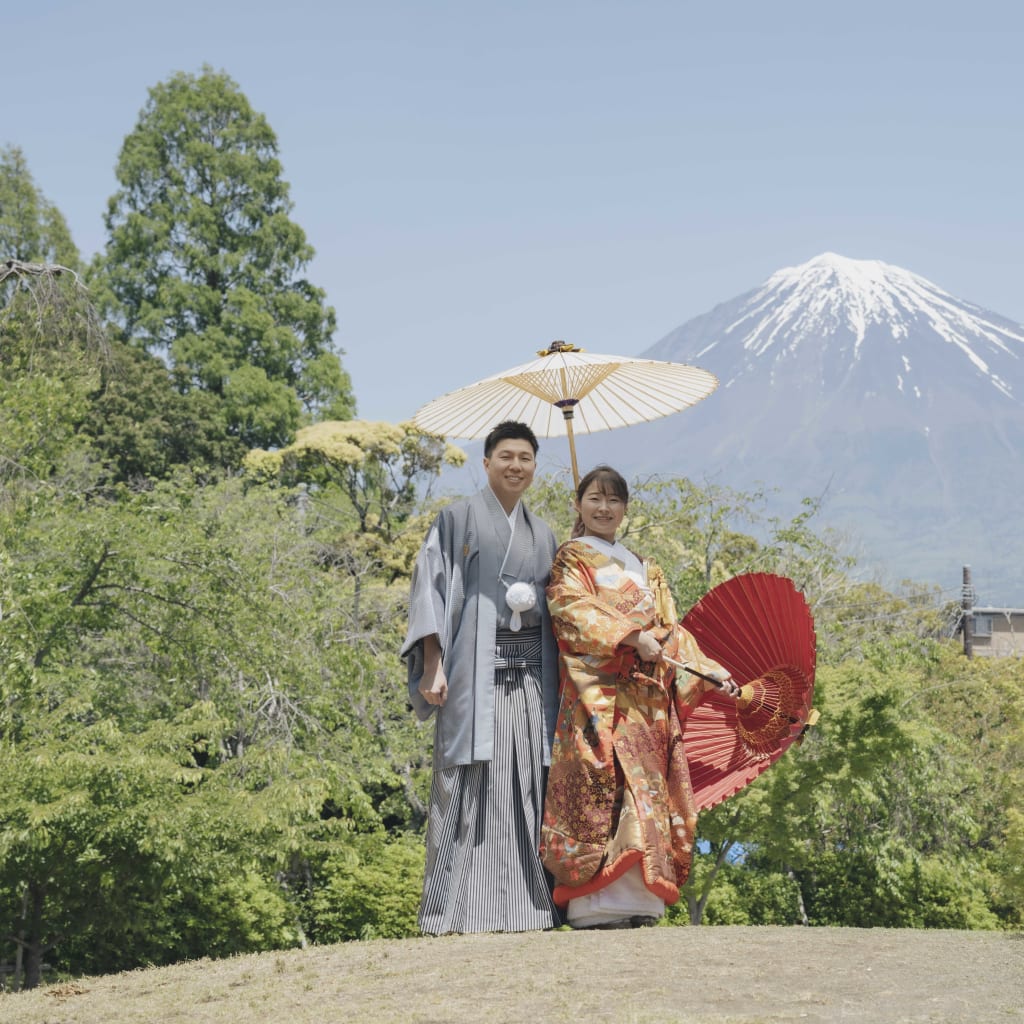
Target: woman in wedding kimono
[[619, 813]]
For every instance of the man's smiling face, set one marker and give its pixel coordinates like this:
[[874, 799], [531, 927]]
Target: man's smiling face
[[510, 470]]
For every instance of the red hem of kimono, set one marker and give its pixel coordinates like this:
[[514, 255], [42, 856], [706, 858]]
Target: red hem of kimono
[[660, 887]]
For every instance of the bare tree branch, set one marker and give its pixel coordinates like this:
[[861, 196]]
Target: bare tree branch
[[60, 304]]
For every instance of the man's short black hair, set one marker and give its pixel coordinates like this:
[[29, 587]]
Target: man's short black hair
[[509, 430]]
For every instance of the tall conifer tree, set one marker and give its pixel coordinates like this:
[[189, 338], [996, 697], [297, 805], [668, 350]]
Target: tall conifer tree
[[32, 229], [204, 266]]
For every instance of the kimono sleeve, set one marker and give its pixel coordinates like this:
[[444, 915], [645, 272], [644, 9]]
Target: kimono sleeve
[[428, 610], [583, 622], [691, 688]]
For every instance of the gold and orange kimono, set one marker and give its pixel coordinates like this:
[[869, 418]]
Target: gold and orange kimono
[[619, 789]]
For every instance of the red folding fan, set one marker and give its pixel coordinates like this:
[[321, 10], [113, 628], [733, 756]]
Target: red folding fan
[[760, 628]]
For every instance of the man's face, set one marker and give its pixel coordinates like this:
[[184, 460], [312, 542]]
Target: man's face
[[510, 470]]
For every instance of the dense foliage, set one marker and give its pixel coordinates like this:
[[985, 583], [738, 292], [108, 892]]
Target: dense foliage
[[203, 263], [203, 732], [32, 229]]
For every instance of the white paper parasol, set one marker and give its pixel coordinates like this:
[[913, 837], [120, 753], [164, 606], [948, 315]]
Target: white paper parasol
[[566, 390]]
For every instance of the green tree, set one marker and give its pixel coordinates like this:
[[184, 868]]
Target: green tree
[[141, 427], [690, 531], [32, 229], [885, 815], [52, 350], [369, 479], [367, 889], [118, 848], [1009, 862], [173, 663], [203, 265], [361, 492]]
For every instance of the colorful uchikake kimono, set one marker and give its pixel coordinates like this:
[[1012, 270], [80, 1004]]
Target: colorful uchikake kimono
[[619, 814]]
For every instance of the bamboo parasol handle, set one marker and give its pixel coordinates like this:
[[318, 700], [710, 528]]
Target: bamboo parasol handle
[[693, 672], [568, 407]]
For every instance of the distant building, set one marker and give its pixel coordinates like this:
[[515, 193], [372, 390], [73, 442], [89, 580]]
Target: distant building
[[997, 632]]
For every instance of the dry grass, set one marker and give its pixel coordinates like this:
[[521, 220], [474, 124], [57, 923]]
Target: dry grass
[[707, 975]]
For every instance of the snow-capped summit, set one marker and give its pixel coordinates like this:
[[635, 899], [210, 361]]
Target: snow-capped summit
[[862, 380], [831, 312]]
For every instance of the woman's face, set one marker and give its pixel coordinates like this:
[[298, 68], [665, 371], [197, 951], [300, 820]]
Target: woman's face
[[601, 512]]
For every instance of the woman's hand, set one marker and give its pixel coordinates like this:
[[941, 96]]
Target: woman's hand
[[646, 644], [727, 686]]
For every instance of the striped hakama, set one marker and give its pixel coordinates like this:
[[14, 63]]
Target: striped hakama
[[483, 870]]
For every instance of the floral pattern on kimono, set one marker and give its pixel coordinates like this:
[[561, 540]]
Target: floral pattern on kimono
[[619, 787]]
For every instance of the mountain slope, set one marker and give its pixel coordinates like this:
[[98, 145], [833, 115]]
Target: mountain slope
[[868, 382]]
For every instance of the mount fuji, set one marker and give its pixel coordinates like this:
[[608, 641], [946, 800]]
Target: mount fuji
[[864, 383]]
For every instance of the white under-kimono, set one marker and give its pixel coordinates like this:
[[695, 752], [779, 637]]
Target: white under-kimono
[[492, 738]]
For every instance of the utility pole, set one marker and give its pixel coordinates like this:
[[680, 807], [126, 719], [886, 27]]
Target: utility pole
[[967, 604]]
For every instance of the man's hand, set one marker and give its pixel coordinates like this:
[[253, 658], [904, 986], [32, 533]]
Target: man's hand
[[434, 684]]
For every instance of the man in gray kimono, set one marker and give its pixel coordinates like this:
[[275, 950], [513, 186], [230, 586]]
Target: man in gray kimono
[[482, 657]]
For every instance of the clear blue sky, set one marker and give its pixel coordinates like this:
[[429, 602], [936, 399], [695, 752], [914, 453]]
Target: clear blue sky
[[479, 178]]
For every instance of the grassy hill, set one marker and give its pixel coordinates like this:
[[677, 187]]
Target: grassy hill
[[710, 975]]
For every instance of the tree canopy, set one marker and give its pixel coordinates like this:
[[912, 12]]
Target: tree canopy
[[203, 264], [204, 564], [32, 229]]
